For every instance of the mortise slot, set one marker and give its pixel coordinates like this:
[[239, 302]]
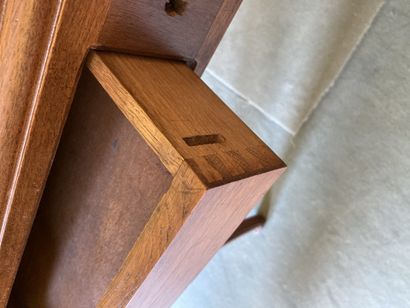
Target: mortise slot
[[175, 7], [204, 139]]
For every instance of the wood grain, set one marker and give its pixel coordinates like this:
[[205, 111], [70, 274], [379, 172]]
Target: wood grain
[[143, 27], [42, 48], [106, 227], [220, 169], [41, 69], [167, 103], [185, 192], [195, 235], [19, 82], [103, 187], [23, 50]]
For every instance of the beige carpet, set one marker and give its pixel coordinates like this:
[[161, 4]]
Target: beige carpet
[[338, 230], [282, 56]]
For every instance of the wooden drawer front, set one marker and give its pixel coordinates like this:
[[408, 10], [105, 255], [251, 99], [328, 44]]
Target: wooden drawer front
[[152, 175], [43, 45]]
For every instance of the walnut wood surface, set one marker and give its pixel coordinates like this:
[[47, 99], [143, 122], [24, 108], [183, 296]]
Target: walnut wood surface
[[216, 182], [197, 233], [102, 188], [153, 244], [144, 27], [166, 103], [19, 81], [105, 228], [42, 47]]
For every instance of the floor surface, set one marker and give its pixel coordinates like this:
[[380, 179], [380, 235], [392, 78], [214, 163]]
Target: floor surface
[[338, 222]]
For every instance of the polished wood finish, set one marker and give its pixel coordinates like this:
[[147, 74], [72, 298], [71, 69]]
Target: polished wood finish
[[215, 182], [166, 103], [219, 169], [144, 27], [43, 45], [103, 187], [19, 76], [203, 229]]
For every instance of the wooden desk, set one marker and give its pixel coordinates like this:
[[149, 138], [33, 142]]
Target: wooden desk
[[43, 49]]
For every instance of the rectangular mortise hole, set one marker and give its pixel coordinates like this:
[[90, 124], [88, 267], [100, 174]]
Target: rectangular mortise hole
[[204, 139]]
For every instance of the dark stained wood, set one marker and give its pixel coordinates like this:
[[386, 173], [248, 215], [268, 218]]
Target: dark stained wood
[[102, 189], [42, 48], [143, 27]]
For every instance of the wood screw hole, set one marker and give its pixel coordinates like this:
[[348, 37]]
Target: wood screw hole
[[204, 139], [175, 7]]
